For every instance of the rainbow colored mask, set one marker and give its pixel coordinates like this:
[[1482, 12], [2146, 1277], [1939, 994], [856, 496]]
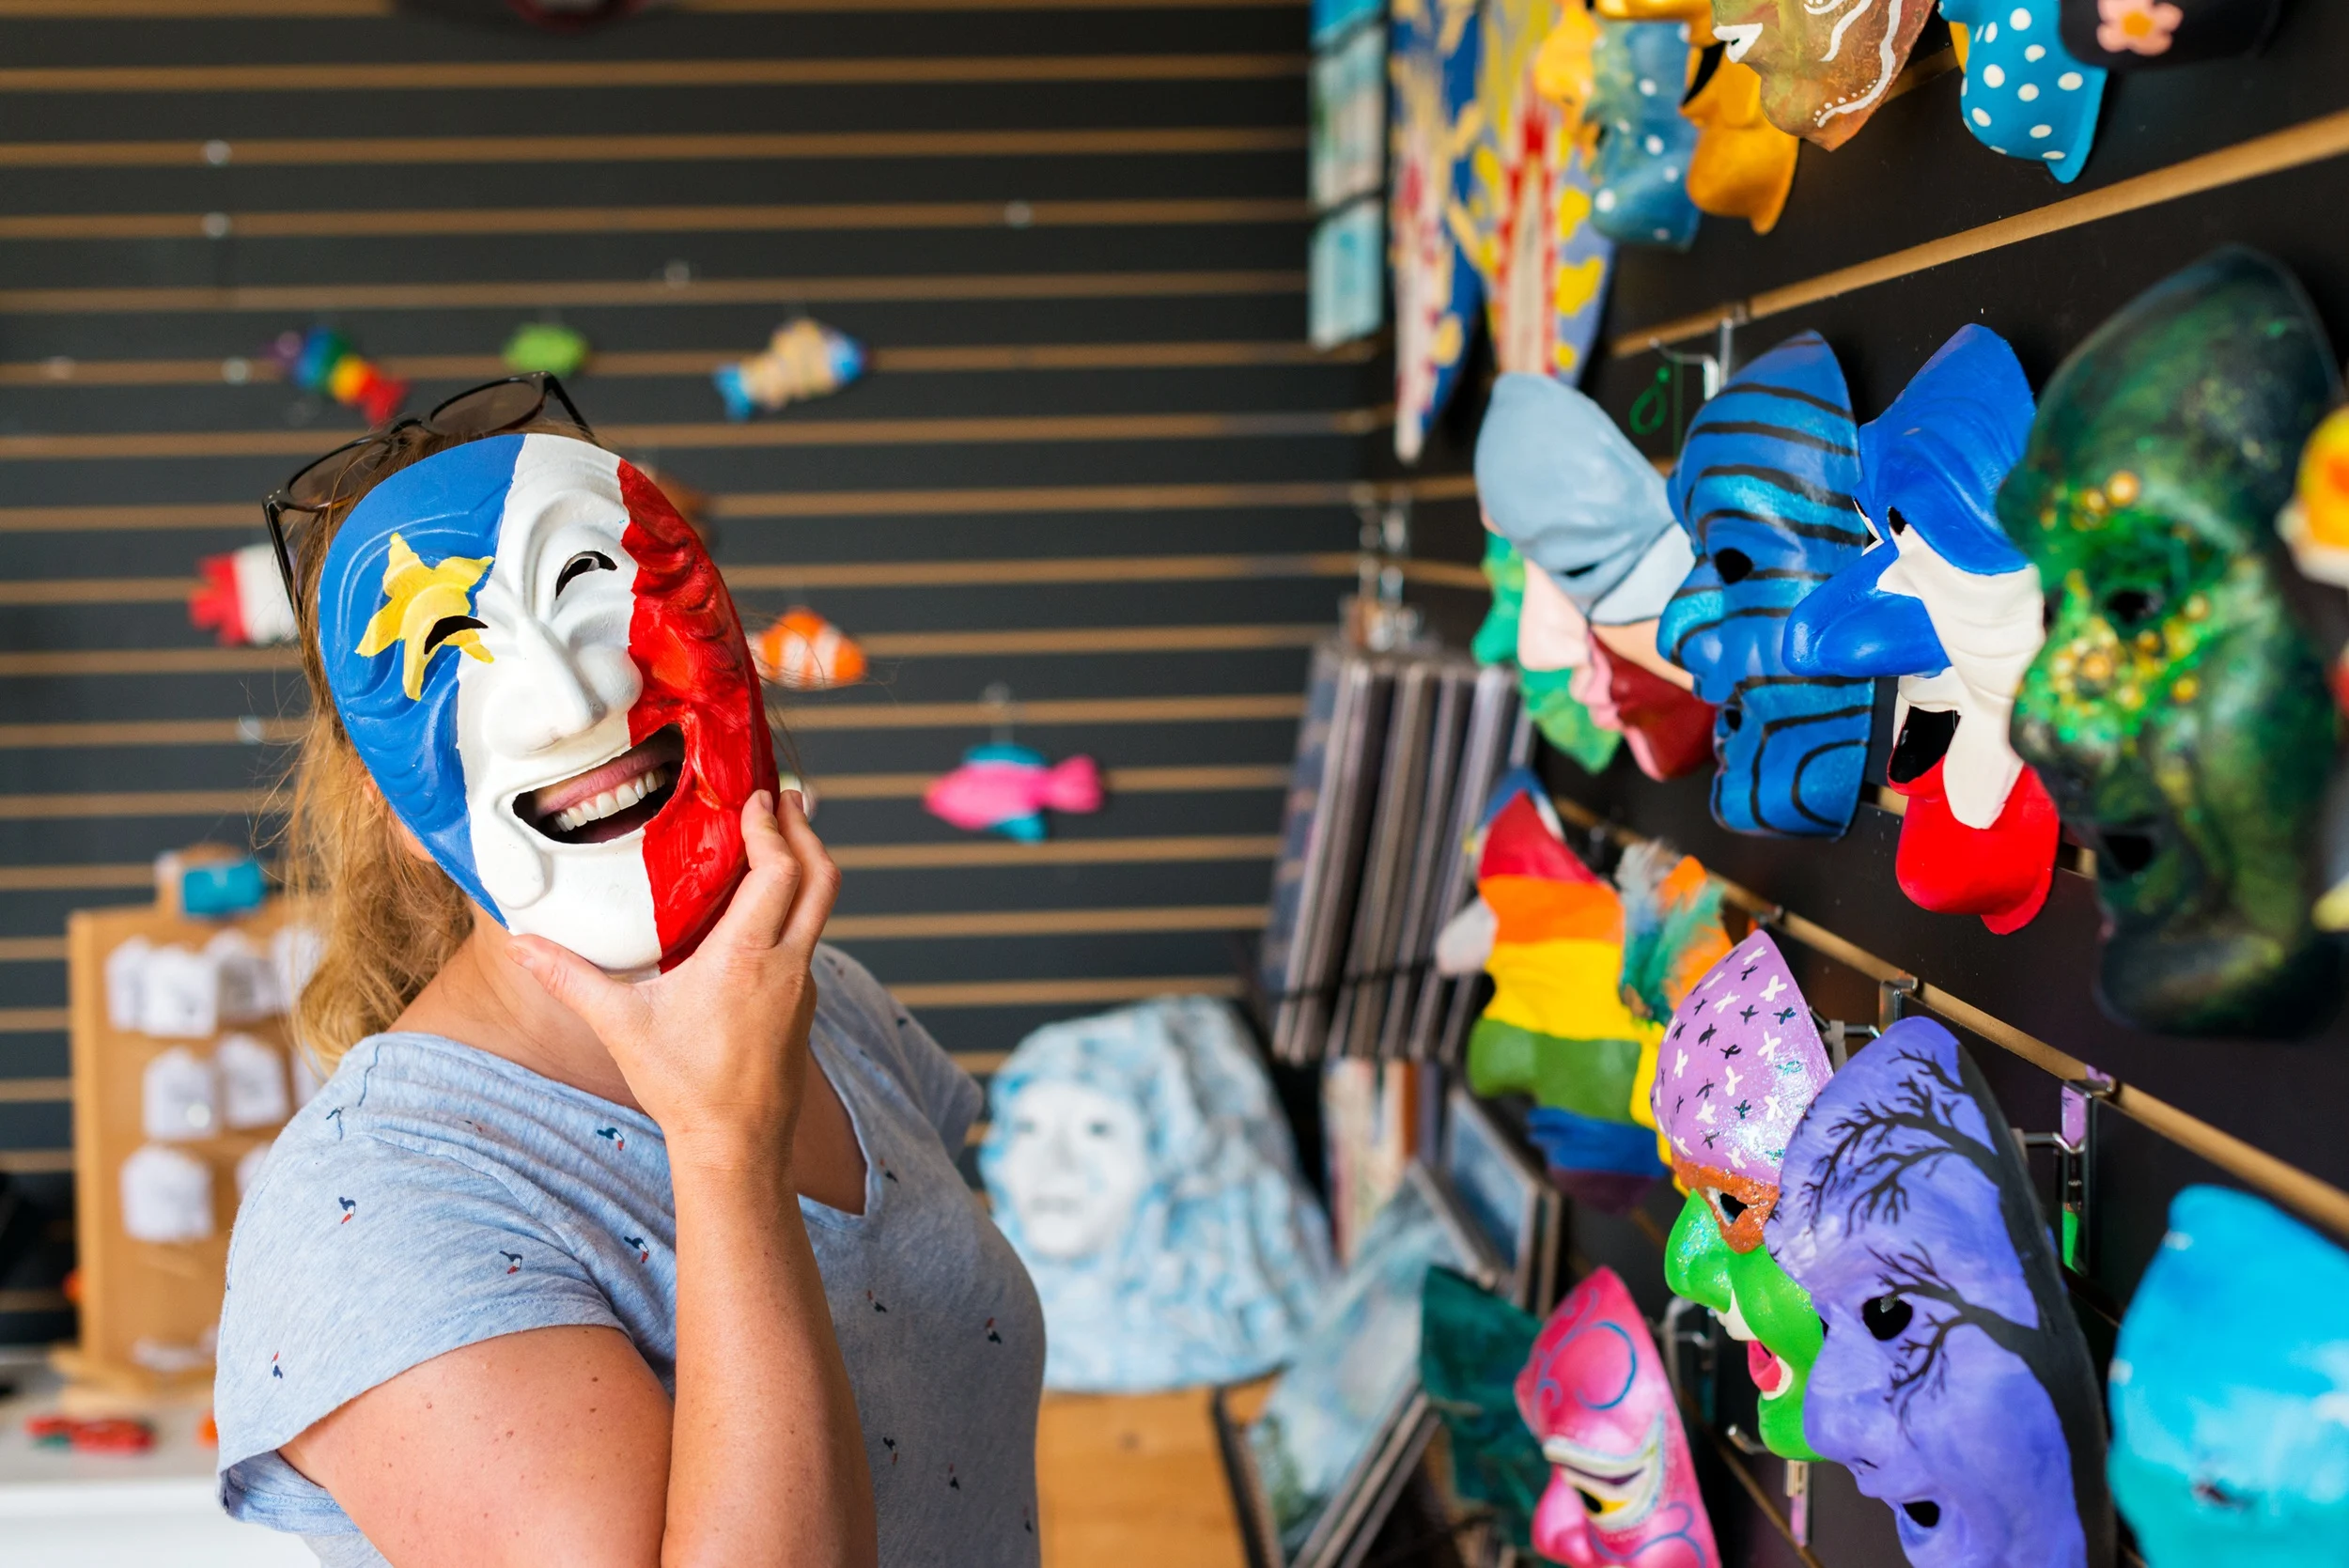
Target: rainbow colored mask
[[1557, 1027], [1952, 1382], [1766, 488], [541, 667], [1624, 1490]]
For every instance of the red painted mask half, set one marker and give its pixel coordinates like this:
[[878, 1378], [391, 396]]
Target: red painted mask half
[[2001, 872]]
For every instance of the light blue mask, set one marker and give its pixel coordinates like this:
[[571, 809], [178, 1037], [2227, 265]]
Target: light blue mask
[[1568, 488], [2025, 95], [2229, 1392]]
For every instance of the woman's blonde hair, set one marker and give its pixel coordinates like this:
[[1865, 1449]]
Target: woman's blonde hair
[[390, 918]]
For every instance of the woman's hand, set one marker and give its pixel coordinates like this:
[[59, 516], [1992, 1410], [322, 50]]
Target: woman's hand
[[716, 1050]]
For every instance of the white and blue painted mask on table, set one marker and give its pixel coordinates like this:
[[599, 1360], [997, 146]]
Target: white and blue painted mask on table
[[541, 668], [1767, 488], [2025, 96], [1641, 70], [1139, 1165]]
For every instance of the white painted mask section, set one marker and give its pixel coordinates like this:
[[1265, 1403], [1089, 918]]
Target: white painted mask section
[[1076, 1163], [1990, 627], [553, 702]]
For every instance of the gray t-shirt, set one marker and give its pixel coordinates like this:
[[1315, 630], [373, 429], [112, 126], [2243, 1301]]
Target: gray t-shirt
[[433, 1196]]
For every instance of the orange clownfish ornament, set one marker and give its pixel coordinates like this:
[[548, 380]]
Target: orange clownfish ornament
[[807, 653]]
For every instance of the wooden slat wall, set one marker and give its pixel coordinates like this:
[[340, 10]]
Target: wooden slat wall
[[1093, 460]]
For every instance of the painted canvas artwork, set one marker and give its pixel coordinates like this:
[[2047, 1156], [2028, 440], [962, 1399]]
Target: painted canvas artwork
[[1356, 1369]]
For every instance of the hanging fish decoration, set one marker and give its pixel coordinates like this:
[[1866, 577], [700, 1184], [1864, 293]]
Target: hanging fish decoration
[[803, 360], [807, 653], [1007, 788], [323, 361]]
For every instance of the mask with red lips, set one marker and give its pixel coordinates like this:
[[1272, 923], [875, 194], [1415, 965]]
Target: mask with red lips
[[541, 668]]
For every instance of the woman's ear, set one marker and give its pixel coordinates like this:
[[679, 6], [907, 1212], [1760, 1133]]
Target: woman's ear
[[410, 842]]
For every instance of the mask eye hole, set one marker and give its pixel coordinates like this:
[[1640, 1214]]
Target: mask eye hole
[[1733, 1208], [2049, 612], [2130, 607], [1886, 1316], [448, 627], [1734, 566], [580, 565], [1591, 1505], [1899, 523]]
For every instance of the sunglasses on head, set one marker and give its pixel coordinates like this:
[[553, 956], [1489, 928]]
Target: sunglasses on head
[[488, 409]]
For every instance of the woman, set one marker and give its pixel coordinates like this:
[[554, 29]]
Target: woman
[[524, 1282]]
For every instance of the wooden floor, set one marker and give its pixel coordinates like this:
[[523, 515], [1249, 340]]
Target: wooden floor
[[1134, 1479]]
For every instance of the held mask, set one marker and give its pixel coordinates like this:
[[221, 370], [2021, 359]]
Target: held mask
[[1945, 603], [1740, 1063], [1954, 1381], [1766, 490], [2230, 1390], [2177, 713], [1595, 1392], [503, 622]]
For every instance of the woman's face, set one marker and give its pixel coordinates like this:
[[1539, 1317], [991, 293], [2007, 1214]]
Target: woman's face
[[542, 671], [1076, 1164]]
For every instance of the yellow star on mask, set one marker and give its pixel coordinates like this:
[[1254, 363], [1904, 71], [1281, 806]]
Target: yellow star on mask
[[426, 607]]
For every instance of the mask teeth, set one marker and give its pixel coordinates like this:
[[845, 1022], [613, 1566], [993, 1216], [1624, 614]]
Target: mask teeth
[[612, 801]]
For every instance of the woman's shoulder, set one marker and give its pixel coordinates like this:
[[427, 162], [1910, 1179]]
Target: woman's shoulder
[[860, 1014]]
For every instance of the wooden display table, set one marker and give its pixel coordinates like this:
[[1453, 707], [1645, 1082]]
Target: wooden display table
[[1135, 1480]]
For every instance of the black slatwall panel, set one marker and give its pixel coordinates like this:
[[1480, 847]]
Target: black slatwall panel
[[1915, 174], [163, 460]]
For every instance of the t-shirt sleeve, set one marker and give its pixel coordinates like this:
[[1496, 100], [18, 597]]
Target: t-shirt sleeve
[[353, 1260], [885, 1029]]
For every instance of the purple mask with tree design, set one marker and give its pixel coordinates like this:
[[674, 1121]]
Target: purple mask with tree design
[[1953, 1382]]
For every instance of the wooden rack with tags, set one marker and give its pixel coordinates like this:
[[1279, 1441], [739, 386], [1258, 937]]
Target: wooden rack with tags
[[149, 1308]]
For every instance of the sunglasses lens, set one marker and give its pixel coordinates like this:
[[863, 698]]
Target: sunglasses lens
[[318, 486], [487, 409]]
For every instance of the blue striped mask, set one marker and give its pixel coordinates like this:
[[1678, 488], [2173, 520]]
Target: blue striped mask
[[1766, 488]]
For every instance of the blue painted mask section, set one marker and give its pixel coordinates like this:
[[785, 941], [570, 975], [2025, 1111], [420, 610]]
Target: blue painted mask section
[[1848, 625], [2025, 96], [1641, 69], [1937, 455], [2229, 1392], [1765, 488], [1572, 1141], [450, 504], [1932, 461], [1567, 487]]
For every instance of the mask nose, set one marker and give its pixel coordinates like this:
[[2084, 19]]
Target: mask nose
[[1851, 625], [556, 691]]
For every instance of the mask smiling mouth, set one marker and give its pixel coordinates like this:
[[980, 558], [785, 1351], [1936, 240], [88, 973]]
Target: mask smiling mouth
[[611, 800]]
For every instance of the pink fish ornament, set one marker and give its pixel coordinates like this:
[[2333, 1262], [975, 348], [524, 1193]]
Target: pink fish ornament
[[1007, 788]]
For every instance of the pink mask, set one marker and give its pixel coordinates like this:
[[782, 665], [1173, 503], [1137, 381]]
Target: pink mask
[[1622, 1488]]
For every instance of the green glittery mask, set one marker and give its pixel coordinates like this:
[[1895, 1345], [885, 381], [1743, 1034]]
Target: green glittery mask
[[2177, 712], [1767, 1311]]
